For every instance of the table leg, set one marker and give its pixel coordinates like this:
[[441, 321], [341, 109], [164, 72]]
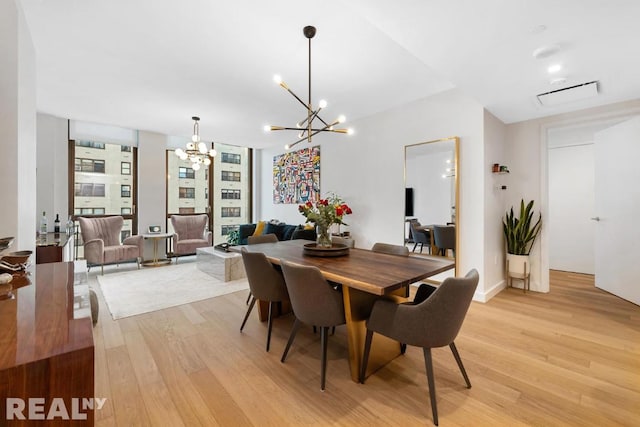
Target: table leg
[[357, 307]]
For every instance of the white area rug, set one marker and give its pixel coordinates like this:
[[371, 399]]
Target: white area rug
[[130, 293]]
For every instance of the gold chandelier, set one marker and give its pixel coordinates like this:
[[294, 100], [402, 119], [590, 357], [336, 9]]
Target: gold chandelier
[[305, 127], [196, 150]]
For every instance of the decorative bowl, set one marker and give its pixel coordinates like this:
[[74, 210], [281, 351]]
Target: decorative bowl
[[17, 258], [5, 242]]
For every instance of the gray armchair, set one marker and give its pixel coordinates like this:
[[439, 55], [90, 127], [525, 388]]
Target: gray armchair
[[190, 233], [101, 238], [433, 322]]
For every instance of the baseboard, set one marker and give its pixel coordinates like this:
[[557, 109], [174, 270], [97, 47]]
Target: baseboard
[[492, 292]]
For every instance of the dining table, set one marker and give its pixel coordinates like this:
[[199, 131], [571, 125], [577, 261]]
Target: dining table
[[364, 276]]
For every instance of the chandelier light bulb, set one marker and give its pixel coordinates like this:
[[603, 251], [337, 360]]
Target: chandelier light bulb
[[183, 156], [286, 147], [267, 128], [207, 161], [213, 152], [179, 152], [342, 119], [350, 131], [190, 146], [277, 79], [202, 148], [322, 103], [195, 166]]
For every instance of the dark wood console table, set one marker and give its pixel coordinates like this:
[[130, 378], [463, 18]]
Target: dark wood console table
[[54, 247], [46, 344]]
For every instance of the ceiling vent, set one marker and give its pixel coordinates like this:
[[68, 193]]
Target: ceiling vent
[[569, 94]]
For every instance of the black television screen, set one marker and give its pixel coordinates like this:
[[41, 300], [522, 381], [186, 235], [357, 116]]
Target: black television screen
[[408, 202]]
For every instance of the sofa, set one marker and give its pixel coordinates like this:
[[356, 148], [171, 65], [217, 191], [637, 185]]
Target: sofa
[[282, 231]]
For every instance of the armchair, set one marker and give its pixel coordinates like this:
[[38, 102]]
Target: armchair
[[190, 233], [101, 237]]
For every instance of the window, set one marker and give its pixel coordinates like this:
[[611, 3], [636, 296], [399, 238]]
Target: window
[[231, 176], [230, 158], [89, 190], [231, 194], [124, 234], [90, 144], [187, 193], [186, 173], [226, 229], [125, 149], [89, 165], [125, 211], [184, 211], [89, 211], [125, 168], [125, 191], [230, 212]]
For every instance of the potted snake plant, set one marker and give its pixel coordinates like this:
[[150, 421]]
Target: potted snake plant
[[520, 232]]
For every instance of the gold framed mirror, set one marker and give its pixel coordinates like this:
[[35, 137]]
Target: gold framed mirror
[[432, 197]]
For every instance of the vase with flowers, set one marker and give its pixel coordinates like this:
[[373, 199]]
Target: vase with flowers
[[323, 214]]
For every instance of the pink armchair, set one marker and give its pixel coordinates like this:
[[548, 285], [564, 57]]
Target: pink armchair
[[101, 237], [190, 233]]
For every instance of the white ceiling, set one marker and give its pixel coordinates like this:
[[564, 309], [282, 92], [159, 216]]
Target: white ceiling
[[151, 65]]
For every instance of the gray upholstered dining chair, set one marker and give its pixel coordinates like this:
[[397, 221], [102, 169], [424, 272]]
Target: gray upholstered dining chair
[[433, 322], [390, 249], [420, 236], [445, 238], [314, 302], [266, 284], [261, 238]]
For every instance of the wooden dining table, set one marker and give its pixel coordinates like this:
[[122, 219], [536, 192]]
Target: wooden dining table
[[365, 276]]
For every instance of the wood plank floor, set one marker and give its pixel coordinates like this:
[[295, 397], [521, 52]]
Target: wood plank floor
[[567, 358]]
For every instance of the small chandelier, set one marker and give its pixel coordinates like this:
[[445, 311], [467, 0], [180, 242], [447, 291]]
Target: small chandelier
[[305, 127], [196, 150]]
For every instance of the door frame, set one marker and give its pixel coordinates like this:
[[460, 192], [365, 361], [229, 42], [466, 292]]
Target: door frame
[[605, 119]]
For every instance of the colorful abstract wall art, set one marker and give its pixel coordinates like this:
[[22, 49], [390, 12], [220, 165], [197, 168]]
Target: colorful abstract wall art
[[296, 176]]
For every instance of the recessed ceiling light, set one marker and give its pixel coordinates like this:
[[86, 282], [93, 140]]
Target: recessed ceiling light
[[545, 51], [554, 68]]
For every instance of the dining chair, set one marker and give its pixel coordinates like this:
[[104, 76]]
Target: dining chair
[[445, 238], [420, 237], [314, 302], [390, 249], [265, 283], [431, 323], [261, 238]]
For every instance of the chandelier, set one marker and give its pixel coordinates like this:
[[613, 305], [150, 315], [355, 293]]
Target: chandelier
[[305, 127], [196, 150]]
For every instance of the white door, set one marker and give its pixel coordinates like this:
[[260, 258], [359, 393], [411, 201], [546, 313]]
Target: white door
[[617, 210], [571, 201]]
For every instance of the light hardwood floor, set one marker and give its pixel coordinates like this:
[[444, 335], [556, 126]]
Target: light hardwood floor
[[570, 357]]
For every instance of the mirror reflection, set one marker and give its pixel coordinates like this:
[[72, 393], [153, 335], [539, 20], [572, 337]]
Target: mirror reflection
[[431, 197]]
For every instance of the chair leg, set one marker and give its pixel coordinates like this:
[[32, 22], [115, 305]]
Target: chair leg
[[324, 332], [102, 269], [365, 357], [269, 324], [414, 247], [246, 316], [432, 387], [454, 350], [294, 331], [403, 348], [248, 298]]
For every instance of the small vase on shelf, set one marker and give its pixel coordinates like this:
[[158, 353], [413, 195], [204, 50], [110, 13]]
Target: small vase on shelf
[[323, 236]]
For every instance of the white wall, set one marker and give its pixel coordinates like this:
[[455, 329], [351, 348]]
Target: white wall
[[17, 128], [366, 169], [53, 161], [526, 155]]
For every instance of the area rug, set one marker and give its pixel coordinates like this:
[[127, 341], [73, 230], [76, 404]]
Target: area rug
[[141, 291]]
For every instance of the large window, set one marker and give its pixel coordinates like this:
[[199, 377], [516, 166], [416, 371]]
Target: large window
[[225, 185], [103, 176]]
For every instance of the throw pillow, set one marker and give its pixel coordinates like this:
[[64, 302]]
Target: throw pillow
[[259, 228], [277, 229]]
